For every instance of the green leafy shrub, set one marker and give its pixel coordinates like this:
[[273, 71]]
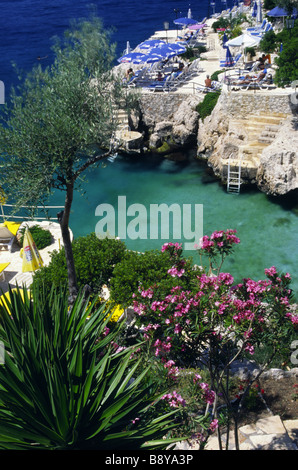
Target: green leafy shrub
[[142, 270], [65, 385], [206, 107], [41, 236], [94, 261], [269, 42], [287, 63], [215, 74]]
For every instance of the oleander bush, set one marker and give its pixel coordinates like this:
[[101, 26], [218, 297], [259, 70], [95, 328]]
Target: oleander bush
[[214, 322]]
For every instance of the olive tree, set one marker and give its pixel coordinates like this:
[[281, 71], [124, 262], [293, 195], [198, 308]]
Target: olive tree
[[60, 121]]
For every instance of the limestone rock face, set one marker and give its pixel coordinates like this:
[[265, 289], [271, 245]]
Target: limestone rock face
[[212, 131], [219, 138], [278, 170], [178, 128]]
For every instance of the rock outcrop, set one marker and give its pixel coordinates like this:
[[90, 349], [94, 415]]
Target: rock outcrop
[[265, 142], [278, 170], [170, 121]]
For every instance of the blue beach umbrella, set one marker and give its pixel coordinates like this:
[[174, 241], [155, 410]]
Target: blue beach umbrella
[[229, 62], [132, 57], [150, 43], [185, 21], [277, 12], [224, 40], [254, 10], [153, 57], [175, 47]]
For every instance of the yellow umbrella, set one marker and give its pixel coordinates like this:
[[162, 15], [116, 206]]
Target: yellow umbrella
[[30, 254], [6, 298]]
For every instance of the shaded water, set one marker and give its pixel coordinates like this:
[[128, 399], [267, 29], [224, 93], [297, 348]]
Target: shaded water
[[267, 227]]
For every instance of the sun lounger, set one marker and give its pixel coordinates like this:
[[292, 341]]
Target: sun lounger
[[8, 231]]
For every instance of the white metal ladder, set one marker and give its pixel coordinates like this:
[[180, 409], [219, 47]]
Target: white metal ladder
[[234, 178]]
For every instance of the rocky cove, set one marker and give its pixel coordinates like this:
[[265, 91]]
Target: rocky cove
[[254, 129]]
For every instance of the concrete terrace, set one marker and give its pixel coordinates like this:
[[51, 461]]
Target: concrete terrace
[[208, 64]]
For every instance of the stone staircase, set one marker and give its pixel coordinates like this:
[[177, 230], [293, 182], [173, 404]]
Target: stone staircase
[[124, 138], [261, 130]]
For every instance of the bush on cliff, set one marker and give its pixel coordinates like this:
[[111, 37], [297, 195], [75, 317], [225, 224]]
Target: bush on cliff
[[206, 107]]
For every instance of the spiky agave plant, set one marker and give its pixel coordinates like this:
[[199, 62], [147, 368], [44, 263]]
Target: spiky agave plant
[[63, 385]]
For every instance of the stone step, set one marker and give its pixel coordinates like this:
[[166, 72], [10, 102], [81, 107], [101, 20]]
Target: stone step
[[266, 139], [267, 133], [281, 115], [264, 119]]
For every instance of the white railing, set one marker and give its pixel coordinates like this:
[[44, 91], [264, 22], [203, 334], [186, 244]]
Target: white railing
[[26, 217]]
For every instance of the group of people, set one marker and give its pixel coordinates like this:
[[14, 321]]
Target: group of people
[[262, 62]]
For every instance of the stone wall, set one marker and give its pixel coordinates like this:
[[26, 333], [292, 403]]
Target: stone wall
[[240, 104], [157, 107], [170, 120]]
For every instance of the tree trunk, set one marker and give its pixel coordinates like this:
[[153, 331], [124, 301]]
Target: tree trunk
[[64, 224]]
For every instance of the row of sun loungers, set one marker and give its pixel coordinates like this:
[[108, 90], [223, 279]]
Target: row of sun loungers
[[172, 78]]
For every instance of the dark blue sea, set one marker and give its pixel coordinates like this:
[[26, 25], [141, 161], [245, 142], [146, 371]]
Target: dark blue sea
[[267, 227], [28, 26]]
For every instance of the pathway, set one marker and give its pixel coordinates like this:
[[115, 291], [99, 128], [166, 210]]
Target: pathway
[[268, 433]]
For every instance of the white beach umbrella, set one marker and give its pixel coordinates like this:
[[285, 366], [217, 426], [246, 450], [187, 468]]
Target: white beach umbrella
[[245, 40]]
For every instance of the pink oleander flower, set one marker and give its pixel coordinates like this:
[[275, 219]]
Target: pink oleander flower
[[209, 395], [177, 329], [249, 348], [176, 272], [213, 425], [270, 271], [293, 318], [174, 399], [196, 378], [106, 331]]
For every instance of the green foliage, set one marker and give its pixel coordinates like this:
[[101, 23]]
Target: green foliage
[[206, 107], [41, 237], [215, 75], [228, 23], [251, 51], [269, 4], [236, 31], [137, 270], [51, 122], [94, 262], [287, 63], [269, 42], [63, 385], [288, 5]]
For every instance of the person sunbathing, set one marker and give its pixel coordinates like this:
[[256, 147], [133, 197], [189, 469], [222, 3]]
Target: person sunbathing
[[252, 78]]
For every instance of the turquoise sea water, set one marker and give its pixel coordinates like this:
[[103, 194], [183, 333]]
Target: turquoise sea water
[[267, 227]]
